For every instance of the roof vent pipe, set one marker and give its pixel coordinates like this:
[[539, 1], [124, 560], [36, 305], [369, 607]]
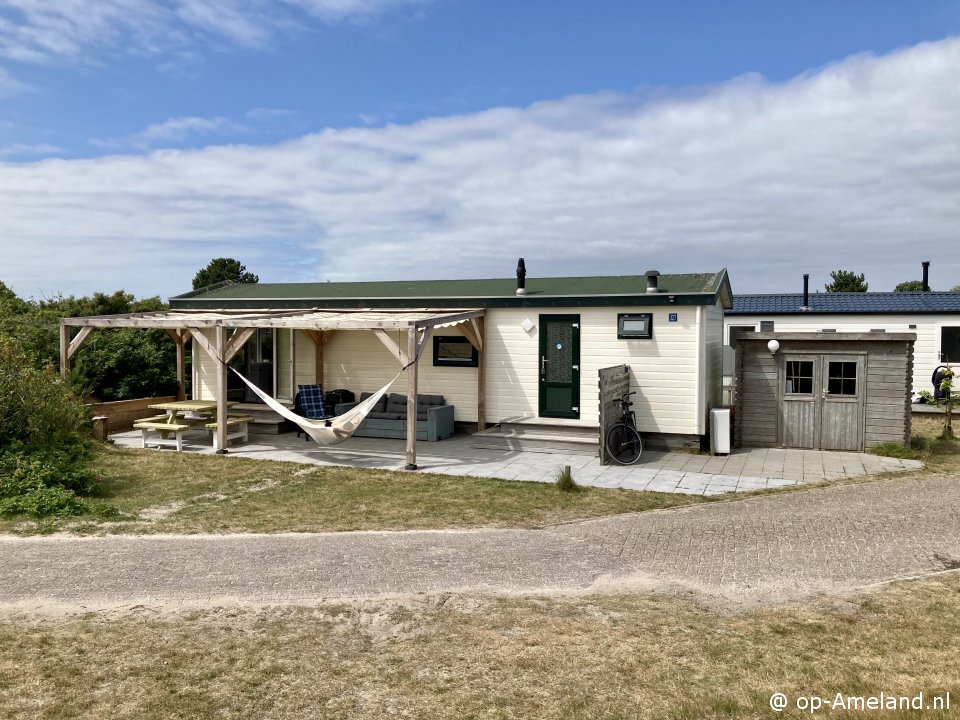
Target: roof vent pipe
[[521, 278], [926, 275], [652, 280], [806, 292]]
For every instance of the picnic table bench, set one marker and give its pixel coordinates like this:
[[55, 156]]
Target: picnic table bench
[[236, 428], [162, 427]]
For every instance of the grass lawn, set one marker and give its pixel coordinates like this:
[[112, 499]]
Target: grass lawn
[[595, 656], [187, 493]]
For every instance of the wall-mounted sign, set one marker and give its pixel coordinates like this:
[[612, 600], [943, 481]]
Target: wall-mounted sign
[[673, 317]]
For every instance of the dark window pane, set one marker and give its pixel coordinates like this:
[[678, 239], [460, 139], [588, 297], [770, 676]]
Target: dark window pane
[[950, 344], [799, 377], [842, 378]]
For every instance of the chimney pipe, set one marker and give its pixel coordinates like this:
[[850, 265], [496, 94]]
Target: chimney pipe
[[521, 278], [806, 292], [652, 281], [926, 275]]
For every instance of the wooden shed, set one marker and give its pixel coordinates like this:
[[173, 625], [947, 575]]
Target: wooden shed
[[827, 391]]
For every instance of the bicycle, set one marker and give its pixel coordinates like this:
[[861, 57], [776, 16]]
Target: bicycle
[[623, 442]]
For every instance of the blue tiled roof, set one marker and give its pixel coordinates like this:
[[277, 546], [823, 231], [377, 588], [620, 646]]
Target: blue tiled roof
[[868, 302]]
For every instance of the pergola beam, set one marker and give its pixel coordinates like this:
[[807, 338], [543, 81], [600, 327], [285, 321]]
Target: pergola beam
[[237, 341], [294, 320], [75, 343], [391, 345]]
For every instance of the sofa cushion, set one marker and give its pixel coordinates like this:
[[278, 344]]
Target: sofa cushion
[[386, 416], [430, 400], [400, 408], [421, 414]]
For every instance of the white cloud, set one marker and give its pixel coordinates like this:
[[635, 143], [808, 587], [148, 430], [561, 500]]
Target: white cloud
[[173, 130], [22, 150], [855, 166], [43, 31]]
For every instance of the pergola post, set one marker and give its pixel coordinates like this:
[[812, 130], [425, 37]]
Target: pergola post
[[64, 350], [181, 369], [319, 339], [221, 350], [481, 328], [412, 398], [181, 337]]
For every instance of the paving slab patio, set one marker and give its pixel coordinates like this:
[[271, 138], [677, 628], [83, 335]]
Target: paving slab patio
[[744, 470]]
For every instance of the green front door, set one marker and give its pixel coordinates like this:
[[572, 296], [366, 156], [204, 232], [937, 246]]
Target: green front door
[[560, 366]]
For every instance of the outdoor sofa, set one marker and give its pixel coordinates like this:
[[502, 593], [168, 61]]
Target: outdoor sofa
[[388, 419]]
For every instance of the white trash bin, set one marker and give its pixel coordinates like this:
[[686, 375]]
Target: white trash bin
[[720, 431]]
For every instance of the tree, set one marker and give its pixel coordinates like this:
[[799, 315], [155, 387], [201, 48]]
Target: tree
[[113, 363], [909, 286], [221, 269], [955, 288], [846, 281]]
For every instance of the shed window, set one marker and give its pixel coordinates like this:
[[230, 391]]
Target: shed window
[[634, 325], [454, 351], [799, 377], [842, 378]]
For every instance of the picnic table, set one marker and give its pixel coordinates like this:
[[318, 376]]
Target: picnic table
[[205, 408], [182, 415]]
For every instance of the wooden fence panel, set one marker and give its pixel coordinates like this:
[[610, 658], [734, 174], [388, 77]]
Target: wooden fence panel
[[121, 414], [614, 382]]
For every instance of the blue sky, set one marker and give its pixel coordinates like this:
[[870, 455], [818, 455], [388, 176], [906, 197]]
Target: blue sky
[[372, 139]]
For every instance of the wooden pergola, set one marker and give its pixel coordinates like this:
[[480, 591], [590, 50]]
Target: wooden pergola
[[231, 330]]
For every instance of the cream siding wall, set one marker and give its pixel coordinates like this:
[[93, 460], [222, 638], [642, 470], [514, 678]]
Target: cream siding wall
[[306, 359], [926, 350], [663, 369], [356, 360], [204, 370]]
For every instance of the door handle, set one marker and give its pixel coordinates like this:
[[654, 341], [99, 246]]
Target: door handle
[[543, 365]]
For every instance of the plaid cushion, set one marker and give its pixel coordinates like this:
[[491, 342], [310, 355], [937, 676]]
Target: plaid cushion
[[311, 400]]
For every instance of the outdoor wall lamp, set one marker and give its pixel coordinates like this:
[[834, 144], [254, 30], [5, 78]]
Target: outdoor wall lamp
[[773, 346]]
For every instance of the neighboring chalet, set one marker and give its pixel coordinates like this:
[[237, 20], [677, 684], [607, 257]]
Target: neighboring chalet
[[934, 317]]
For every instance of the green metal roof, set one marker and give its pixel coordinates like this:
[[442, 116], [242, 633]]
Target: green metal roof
[[690, 288]]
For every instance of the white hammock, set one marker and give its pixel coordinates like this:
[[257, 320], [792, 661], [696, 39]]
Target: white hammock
[[326, 432]]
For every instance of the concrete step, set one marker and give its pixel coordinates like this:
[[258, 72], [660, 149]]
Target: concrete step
[[539, 438]]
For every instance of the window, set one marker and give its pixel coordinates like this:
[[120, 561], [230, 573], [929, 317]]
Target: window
[[799, 377], [635, 325], [842, 378], [454, 351], [736, 331], [950, 344]]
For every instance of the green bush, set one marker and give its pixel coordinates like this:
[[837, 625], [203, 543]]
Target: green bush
[[44, 440], [37, 408]]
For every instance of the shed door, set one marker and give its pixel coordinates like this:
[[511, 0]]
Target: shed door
[[800, 402], [560, 366], [821, 405], [842, 403]]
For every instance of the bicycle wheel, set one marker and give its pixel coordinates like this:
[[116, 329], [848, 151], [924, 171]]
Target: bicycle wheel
[[623, 444]]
